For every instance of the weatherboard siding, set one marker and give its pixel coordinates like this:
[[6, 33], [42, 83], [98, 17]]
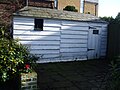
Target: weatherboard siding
[[103, 41], [60, 40], [45, 44], [74, 38]]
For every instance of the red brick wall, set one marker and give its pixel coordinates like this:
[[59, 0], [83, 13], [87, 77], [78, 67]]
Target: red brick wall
[[46, 4], [6, 11]]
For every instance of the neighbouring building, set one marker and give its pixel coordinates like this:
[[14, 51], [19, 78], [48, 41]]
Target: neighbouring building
[[84, 6], [90, 7], [41, 3], [56, 35], [63, 3]]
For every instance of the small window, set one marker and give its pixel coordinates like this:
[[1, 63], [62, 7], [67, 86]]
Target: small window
[[95, 31], [87, 12], [38, 25]]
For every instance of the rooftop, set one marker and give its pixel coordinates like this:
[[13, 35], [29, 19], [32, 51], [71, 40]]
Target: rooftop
[[38, 12]]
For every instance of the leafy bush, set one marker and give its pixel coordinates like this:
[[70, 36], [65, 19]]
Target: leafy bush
[[114, 75], [70, 8], [14, 57]]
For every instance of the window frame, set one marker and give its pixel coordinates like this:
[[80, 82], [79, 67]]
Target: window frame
[[37, 26]]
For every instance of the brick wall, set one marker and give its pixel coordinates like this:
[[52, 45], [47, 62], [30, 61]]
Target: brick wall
[[6, 11], [90, 8], [29, 81], [63, 3], [46, 4]]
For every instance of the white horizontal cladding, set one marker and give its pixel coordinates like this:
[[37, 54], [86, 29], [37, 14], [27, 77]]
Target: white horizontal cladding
[[48, 60], [81, 53], [73, 58], [78, 41], [104, 25], [104, 43], [73, 45], [104, 33], [75, 32], [75, 23], [37, 33], [45, 47], [104, 39], [104, 28], [23, 18], [52, 23], [103, 47], [37, 38], [73, 49], [41, 42], [47, 28], [42, 52], [74, 36], [103, 53], [19, 20], [49, 56], [104, 36], [64, 59], [23, 23], [96, 25], [73, 28], [23, 27]]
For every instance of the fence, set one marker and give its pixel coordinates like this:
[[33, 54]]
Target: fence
[[113, 40]]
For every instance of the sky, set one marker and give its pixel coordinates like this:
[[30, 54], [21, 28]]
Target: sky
[[109, 8]]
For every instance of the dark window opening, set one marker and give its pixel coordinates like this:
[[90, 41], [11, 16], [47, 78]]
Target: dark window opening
[[95, 31], [38, 25], [88, 12]]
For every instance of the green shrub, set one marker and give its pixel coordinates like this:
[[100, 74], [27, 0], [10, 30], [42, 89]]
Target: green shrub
[[14, 58], [114, 76], [70, 8]]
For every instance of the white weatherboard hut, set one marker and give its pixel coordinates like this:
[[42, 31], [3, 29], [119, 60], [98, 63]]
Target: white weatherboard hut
[[56, 35]]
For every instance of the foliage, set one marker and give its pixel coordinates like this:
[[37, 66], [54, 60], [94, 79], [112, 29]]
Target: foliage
[[118, 17], [70, 8], [14, 57], [113, 51], [113, 36], [108, 19], [114, 76]]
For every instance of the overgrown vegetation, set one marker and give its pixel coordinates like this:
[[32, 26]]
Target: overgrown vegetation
[[70, 8], [14, 57], [113, 52], [113, 78]]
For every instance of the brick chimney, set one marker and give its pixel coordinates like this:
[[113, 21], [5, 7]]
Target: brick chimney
[[90, 7]]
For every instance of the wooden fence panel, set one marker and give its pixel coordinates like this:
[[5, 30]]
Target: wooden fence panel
[[113, 40]]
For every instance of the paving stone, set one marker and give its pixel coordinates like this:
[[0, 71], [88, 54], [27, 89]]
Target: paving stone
[[94, 89], [61, 84], [73, 88], [58, 78], [87, 75]]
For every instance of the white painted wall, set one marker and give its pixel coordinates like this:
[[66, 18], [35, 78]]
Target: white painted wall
[[60, 40], [103, 37]]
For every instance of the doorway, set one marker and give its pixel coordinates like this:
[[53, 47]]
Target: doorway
[[93, 44]]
